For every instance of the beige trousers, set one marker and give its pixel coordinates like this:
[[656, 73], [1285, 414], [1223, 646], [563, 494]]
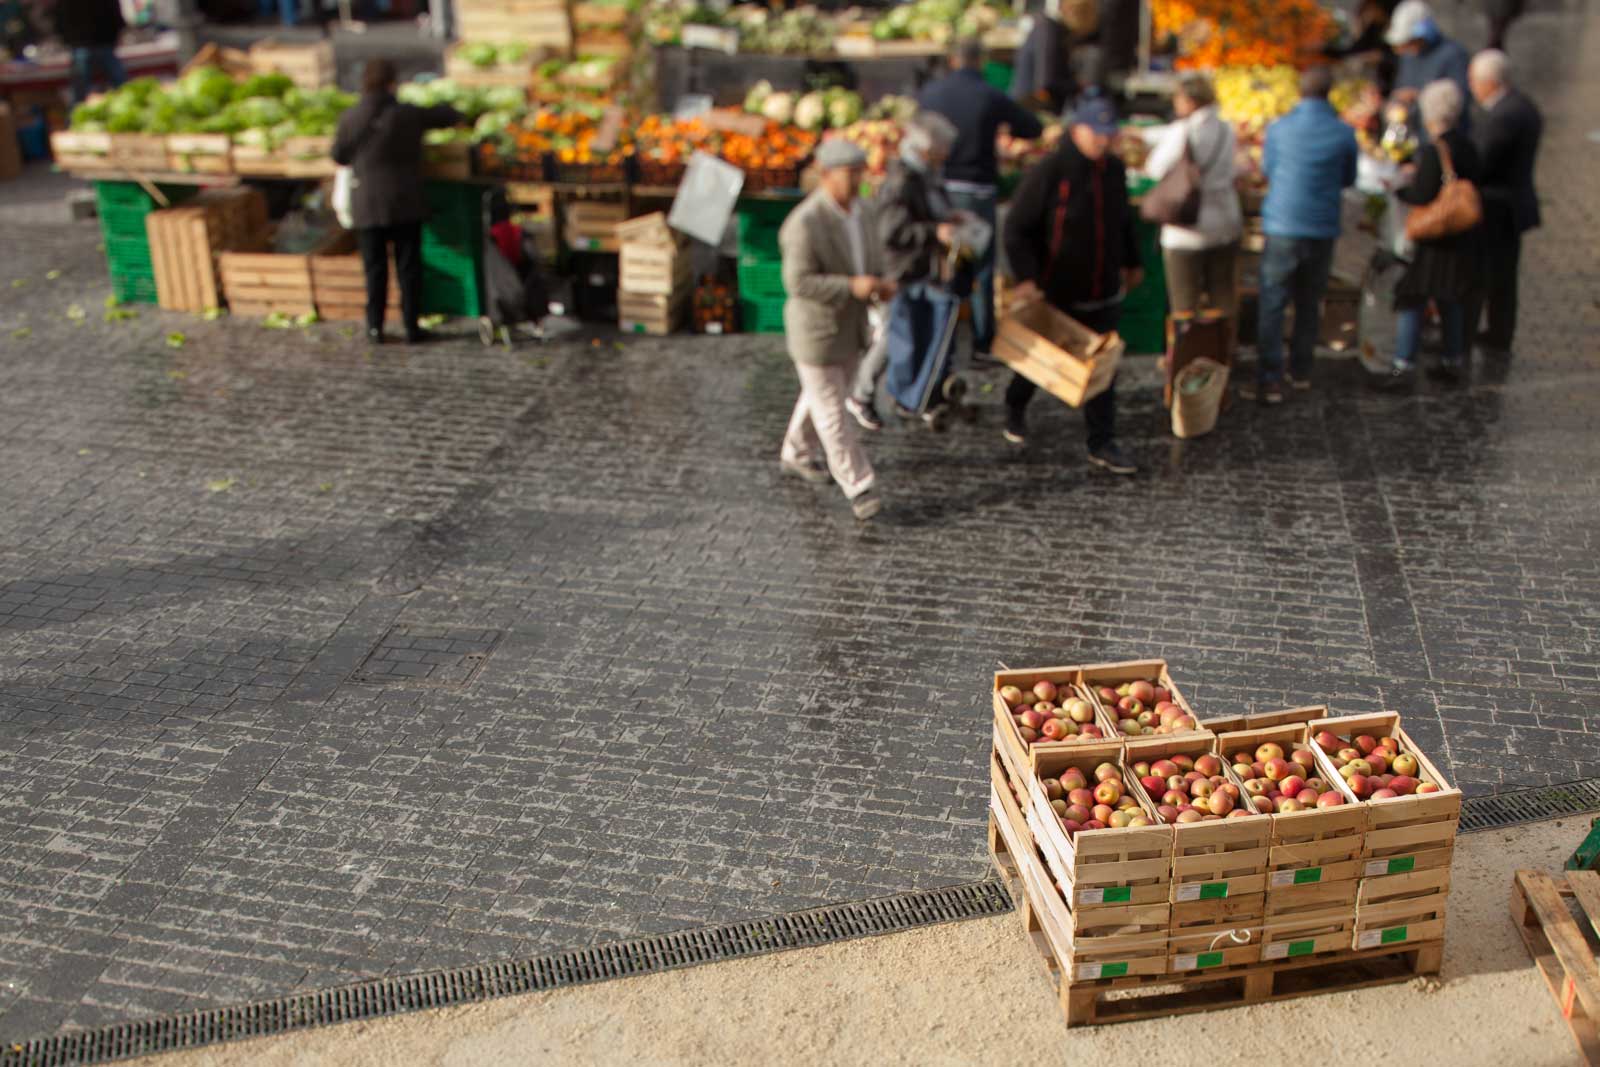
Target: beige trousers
[[820, 423]]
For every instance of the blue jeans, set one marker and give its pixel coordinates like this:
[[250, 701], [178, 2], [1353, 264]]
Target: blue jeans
[[982, 298], [1292, 268], [1408, 334], [87, 62]]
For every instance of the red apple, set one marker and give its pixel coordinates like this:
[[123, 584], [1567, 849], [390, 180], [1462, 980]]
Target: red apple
[[1153, 785], [1269, 751], [1079, 813], [1101, 813], [1208, 765], [1330, 799], [1168, 812], [1426, 787], [1072, 778], [1366, 743], [1143, 692], [1033, 719], [1277, 769], [1328, 742], [1081, 796], [1163, 694], [1028, 734], [1220, 803], [1404, 784], [1053, 730], [1383, 794], [1109, 791], [1189, 816], [1405, 763], [1045, 690], [1288, 804], [1105, 772], [1291, 785]]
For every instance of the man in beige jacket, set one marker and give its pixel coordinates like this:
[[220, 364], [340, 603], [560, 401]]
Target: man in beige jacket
[[832, 269]]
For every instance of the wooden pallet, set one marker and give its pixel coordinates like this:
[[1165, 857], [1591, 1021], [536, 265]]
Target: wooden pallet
[[1563, 950]]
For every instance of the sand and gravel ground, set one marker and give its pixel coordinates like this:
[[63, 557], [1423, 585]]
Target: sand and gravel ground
[[973, 992]]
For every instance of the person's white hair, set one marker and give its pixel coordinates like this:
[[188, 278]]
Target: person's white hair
[[1492, 66], [928, 130], [1440, 103]]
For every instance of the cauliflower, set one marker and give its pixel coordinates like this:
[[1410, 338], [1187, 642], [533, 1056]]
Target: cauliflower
[[756, 98], [811, 112], [779, 107], [844, 107]]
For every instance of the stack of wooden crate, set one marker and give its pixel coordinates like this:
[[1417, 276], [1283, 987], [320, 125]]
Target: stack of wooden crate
[[604, 29], [654, 279], [263, 282], [185, 242], [339, 284], [539, 24], [1165, 918], [591, 225], [308, 65]]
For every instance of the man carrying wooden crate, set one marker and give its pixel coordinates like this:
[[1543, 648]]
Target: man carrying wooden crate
[[832, 270], [1070, 241]]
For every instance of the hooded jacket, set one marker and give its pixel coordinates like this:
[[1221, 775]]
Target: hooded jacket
[[1070, 229]]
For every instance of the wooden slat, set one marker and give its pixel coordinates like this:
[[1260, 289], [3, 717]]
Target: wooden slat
[[1579, 982]]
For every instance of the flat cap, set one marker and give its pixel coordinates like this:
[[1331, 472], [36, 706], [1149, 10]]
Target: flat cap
[[837, 152]]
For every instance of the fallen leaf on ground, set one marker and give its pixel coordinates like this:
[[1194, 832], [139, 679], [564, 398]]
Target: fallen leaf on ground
[[22, 332], [177, 375], [76, 313], [325, 487], [212, 314], [85, 452], [18, 283], [52, 275], [428, 322], [176, 339], [221, 485]]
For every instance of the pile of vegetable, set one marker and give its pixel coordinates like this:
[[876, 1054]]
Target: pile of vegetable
[[939, 21], [779, 146], [486, 56], [795, 33], [261, 110], [814, 111]]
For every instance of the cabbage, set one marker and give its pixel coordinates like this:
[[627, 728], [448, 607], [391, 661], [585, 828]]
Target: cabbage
[[139, 90], [757, 96], [511, 54], [207, 89], [480, 55], [844, 107], [264, 85], [811, 112], [90, 116], [779, 107], [505, 98]]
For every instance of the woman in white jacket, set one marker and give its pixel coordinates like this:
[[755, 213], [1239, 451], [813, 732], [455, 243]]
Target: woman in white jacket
[[1202, 261]]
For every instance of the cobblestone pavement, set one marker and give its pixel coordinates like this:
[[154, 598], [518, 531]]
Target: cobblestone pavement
[[319, 663]]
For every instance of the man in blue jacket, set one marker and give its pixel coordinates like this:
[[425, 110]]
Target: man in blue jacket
[[1309, 160], [972, 174]]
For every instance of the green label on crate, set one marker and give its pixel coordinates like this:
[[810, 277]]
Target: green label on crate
[[1213, 891], [1391, 935], [638, 327], [1113, 970], [1301, 948], [1208, 959], [1402, 864], [1307, 875], [1118, 894]]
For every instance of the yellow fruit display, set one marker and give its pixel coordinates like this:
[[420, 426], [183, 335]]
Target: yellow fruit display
[[1252, 97]]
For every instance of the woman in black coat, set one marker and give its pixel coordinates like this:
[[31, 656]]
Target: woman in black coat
[[1443, 271], [381, 140]]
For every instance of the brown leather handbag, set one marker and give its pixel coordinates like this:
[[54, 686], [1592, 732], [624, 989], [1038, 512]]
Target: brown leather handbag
[[1457, 208], [1175, 199]]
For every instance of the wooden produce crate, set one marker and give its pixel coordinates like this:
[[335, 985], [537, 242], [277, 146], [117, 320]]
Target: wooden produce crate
[[447, 162], [1560, 949], [1112, 675], [295, 157], [234, 62], [1286, 717], [141, 153], [81, 151], [262, 282], [339, 286], [1008, 826], [517, 75], [1414, 913], [186, 240], [309, 66], [199, 153], [658, 315], [1017, 752], [1404, 834], [1057, 353], [538, 23], [655, 270], [1308, 933], [1118, 941], [1128, 868], [591, 225]]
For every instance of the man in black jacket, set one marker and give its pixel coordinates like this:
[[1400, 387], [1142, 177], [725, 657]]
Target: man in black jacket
[[1507, 132], [1070, 241], [972, 174], [91, 28], [381, 140]]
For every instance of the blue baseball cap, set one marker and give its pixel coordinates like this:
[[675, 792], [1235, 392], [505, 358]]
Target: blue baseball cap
[[1096, 112]]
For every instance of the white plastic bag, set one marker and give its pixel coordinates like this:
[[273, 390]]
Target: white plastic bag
[[344, 195]]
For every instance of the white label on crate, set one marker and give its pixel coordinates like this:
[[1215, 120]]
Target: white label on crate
[[1092, 896], [1088, 972], [1203, 891], [1276, 951], [1192, 963]]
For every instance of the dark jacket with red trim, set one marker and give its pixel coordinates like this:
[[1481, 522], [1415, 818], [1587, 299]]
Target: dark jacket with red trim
[[1070, 228]]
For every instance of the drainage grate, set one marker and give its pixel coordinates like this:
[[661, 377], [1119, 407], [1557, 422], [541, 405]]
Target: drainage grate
[[435, 656], [395, 996], [1530, 805]]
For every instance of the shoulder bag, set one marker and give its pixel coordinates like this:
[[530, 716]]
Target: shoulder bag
[[1175, 199], [1457, 208]]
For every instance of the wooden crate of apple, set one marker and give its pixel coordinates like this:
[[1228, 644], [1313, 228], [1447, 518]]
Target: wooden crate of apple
[[1139, 698], [1374, 768], [1082, 803], [1187, 789], [1284, 781], [1048, 711]]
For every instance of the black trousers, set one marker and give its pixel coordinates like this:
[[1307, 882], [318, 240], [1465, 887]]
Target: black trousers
[[1502, 251], [1100, 412], [375, 241]]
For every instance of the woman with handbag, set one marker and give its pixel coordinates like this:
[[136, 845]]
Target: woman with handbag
[[1443, 224], [1203, 223], [380, 140]]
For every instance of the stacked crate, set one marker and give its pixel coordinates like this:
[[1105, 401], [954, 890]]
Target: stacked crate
[[1145, 921], [761, 291], [309, 66], [186, 240], [654, 280], [124, 208], [1407, 847], [452, 250], [1313, 863], [539, 24], [591, 225], [604, 29]]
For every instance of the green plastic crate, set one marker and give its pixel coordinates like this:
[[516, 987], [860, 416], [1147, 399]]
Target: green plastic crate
[[998, 75], [133, 288], [761, 279], [761, 314]]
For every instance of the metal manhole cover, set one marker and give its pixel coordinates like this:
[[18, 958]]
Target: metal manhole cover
[[421, 655]]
